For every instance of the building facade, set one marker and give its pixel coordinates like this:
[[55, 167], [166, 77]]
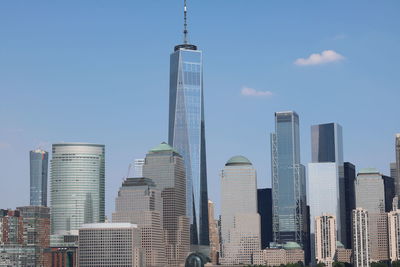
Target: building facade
[[264, 199], [214, 234], [165, 167], [394, 234], [288, 254], [110, 244], [288, 181], [139, 202], [325, 239], [397, 150], [361, 244], [138, 168], [39, 161], [348, 202], [77, 186], [240, 221], [370, 195], [187, 132]]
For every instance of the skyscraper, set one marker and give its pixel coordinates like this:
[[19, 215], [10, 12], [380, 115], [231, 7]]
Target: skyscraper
[[186, 131], [139, 202], [165, 167], [39, 160], [397, 182], [264, 199], [214, 234], [348, 202], [361, 244], [288, 180], [240, 222], [394, 234], [138, 168], [370, 195], [77, 186], [325, 239], [325, 176]]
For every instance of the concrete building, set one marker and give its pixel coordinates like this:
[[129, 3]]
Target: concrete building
[[240, 222], [11, 227], [39, 162], [394, 234], [288, 181], [325, 239], [110, 244], [370, 195], [214, 234], [344, 255], [138, 168], [397, 150], [290, 252], [361, 243], [36, 220], [77, 187], [139, 202], [165, 167], [61, 257]]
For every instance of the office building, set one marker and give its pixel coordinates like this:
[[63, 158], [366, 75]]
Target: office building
[[110, 244], [187, 131], [240, 221], [348, 202], [370, 195], [39, 161], [77, 186], [289, 253], [11, 227], [138, 168], [325, 239], [327, 143], [36, 220], [139, 202], [264, 204], [394, 234], [214, 234], [288, 181], [61, 257], [17, 255], [393, 170], [390, 192], [397, 150], [361, 244], [165, 167]]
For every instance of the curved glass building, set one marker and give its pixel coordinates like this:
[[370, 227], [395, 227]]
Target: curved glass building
[[77, 186], [39, 160]]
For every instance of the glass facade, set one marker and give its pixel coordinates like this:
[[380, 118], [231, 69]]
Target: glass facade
[[39, 161], [288, 180], [186, 133], [327, 144], [77, 186]]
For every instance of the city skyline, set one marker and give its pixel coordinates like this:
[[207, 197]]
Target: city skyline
[[244, 96]]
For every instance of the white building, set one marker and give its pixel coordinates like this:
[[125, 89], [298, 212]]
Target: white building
[[240, 222], [325, 239], [394, 232], [110, 244], [361, 244]]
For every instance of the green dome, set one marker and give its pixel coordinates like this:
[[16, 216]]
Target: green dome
[[238, 160], [162, 148]]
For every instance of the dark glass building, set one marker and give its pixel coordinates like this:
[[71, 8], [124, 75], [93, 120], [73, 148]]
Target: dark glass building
[[39, 161], [390, 192], [264, 202], [349, 201], [327, 143]]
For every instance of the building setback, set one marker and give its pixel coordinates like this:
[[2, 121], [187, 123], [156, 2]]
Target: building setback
[[39, 161]]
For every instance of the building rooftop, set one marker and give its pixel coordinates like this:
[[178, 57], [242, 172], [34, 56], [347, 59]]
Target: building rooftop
[[238, 160], [108, 225], [368, 171], [138, 182], [291, 245], [163, 147]]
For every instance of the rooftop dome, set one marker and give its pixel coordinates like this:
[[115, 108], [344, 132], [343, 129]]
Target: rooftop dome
[[238, 160], [163, 147]]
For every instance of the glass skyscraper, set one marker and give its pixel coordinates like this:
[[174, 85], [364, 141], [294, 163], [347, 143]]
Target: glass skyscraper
[[288, 180], [39, 161], [186, 133], [77, 186]]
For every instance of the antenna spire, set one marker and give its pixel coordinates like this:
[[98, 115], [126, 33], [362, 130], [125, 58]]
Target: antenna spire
[[185, 31]]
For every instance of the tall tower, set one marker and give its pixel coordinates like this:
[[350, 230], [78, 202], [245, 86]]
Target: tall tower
[[325, 239], [361, 244], [77, 186], [288, 181], [397, 182], [39, 161], [186, 130]]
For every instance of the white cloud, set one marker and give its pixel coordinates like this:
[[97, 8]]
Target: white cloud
[[247, 91], [326, 56]]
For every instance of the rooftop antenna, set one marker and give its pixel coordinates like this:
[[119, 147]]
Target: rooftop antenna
[[185, 31]]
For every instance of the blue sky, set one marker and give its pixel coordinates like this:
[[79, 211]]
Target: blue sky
[[97, 71]]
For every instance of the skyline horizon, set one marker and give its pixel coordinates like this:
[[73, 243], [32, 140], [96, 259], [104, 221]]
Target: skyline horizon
[[279, 75]]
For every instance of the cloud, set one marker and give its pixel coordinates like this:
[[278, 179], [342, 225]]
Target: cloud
[[324, 57], [4, 145], [247, 91]]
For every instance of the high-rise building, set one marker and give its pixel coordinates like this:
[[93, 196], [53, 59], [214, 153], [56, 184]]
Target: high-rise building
[[166, 168], [325, 239], [110, 244], [77, 186], [288, 180], [348, 202], [138, 168], [39, 161], [36, 220], [397, 182], [370, 195], [361, 244], [11, 227], [187, 131], [139, 202], [264, 199], [394, 234], [390, 192], [240, 221], [325, 176], [393, 170], [214, 234]]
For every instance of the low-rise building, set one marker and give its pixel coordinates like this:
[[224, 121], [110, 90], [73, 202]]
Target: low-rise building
[[290, 252]]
